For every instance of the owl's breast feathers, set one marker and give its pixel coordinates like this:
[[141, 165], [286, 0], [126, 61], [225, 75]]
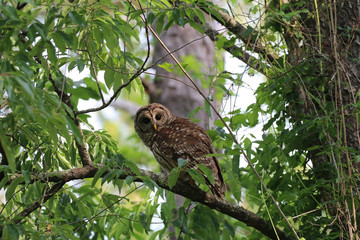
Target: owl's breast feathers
[[182, 138]]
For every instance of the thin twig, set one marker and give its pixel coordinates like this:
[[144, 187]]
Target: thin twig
[[303, 214]]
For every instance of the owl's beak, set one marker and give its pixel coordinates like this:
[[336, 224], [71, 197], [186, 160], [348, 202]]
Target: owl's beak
[[155, 127]]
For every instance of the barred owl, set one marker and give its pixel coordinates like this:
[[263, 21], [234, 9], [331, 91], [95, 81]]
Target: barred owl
[[170, 137]]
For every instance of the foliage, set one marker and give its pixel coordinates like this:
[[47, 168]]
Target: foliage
[[45, 124]]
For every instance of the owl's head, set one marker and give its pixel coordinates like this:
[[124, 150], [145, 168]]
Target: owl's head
[[150, 118]]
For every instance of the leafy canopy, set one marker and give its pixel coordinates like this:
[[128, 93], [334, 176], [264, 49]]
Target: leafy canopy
[[44, 125]]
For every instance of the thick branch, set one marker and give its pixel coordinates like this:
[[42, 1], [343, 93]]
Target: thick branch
[[194, 194], [83, 152]]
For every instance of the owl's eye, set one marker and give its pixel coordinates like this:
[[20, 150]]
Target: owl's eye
[[146, 120], [158, 116]]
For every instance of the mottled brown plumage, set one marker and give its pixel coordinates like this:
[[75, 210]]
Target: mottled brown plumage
[[170, 137]]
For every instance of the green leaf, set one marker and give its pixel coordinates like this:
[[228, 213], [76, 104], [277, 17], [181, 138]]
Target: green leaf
[[207, 172], [10, 155], [235, 164], [98, 174], [173, 177], [215, 13], [249, 30], [77, 19], [133, 168], [40, 28], [253, 118], [228, 226], [129, 180], [197, 27], [194, 112], [237, 121], [11, 188], [182, 162], [10, 12], [63, 162], [74, 129], [81, 64], [150, 18], [83, 211], [169, 23], [27, 176], [109, 77], [160, 22], [108, 177], [144, 222], [207, 109], [178, 18], [219, 123], [27, 88], [60, 41], [167, 3], [148, 182], [112, 42], [200, 15], [154, 235], [12, 231], [196, 175], [167, 66], [51, 52]]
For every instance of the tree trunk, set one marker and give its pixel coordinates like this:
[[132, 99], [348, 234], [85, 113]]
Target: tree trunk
[[175, 94], [330, 90]]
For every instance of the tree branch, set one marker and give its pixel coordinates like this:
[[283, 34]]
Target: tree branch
[[236, 51], [183, 189]]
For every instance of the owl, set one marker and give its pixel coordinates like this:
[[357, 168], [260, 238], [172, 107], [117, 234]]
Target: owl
[[170, 137]]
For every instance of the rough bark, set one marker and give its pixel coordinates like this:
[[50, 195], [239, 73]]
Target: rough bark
[[330, 43]]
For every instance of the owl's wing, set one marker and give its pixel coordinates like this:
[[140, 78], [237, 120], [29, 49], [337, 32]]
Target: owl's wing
[[184, 139]]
